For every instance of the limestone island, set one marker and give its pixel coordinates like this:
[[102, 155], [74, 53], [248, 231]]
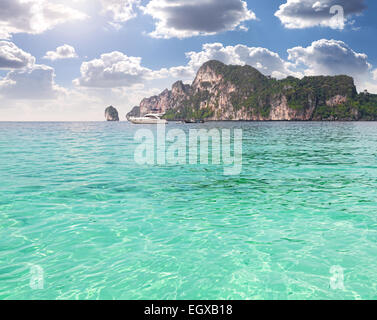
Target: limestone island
[[111, 114], [241, 93]]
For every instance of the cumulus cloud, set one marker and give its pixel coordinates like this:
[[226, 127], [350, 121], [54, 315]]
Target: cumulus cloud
[[298, 14], [25, 80], [12, 57], [120, 10], [116, 69], [187, 18], [64, 52], [374, 74], [33, 16], [266, 61], [331, 57], [36, 82], [113, 69], [323, 57]]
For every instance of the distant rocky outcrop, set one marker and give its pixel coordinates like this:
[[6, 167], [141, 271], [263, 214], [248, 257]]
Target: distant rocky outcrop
[[222, 92], [135, 112], [111, 114]]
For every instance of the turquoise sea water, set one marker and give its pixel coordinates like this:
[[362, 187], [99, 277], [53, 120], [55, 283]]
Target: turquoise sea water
[[74, 203]]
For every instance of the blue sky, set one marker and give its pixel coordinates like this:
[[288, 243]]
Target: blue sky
[[146, 44]]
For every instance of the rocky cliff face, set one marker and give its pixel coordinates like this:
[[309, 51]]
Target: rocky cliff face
[[166, 100], [111, 114], [135, 112], [221, 92]]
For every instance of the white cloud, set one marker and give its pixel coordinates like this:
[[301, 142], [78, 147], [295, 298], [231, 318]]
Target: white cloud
[[33, 16], [298, 14], [120, 10], [187, 18], [266, 61], [64, 52], [116, 69], [374, 72], [12, 57], [331, 57], [323, 57], [113, 69], [26, 80], [36, 82]]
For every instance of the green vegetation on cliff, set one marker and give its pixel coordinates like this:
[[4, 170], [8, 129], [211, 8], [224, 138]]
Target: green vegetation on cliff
[[366, 104], [191, 108], [310, 98]]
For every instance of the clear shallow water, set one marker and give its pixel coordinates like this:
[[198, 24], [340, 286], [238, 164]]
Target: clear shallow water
[[73, 202]]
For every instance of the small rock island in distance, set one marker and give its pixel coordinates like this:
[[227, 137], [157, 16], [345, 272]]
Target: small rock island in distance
[[111, 114]]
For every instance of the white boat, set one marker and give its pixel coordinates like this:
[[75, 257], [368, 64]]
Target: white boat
[[148, 119]]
